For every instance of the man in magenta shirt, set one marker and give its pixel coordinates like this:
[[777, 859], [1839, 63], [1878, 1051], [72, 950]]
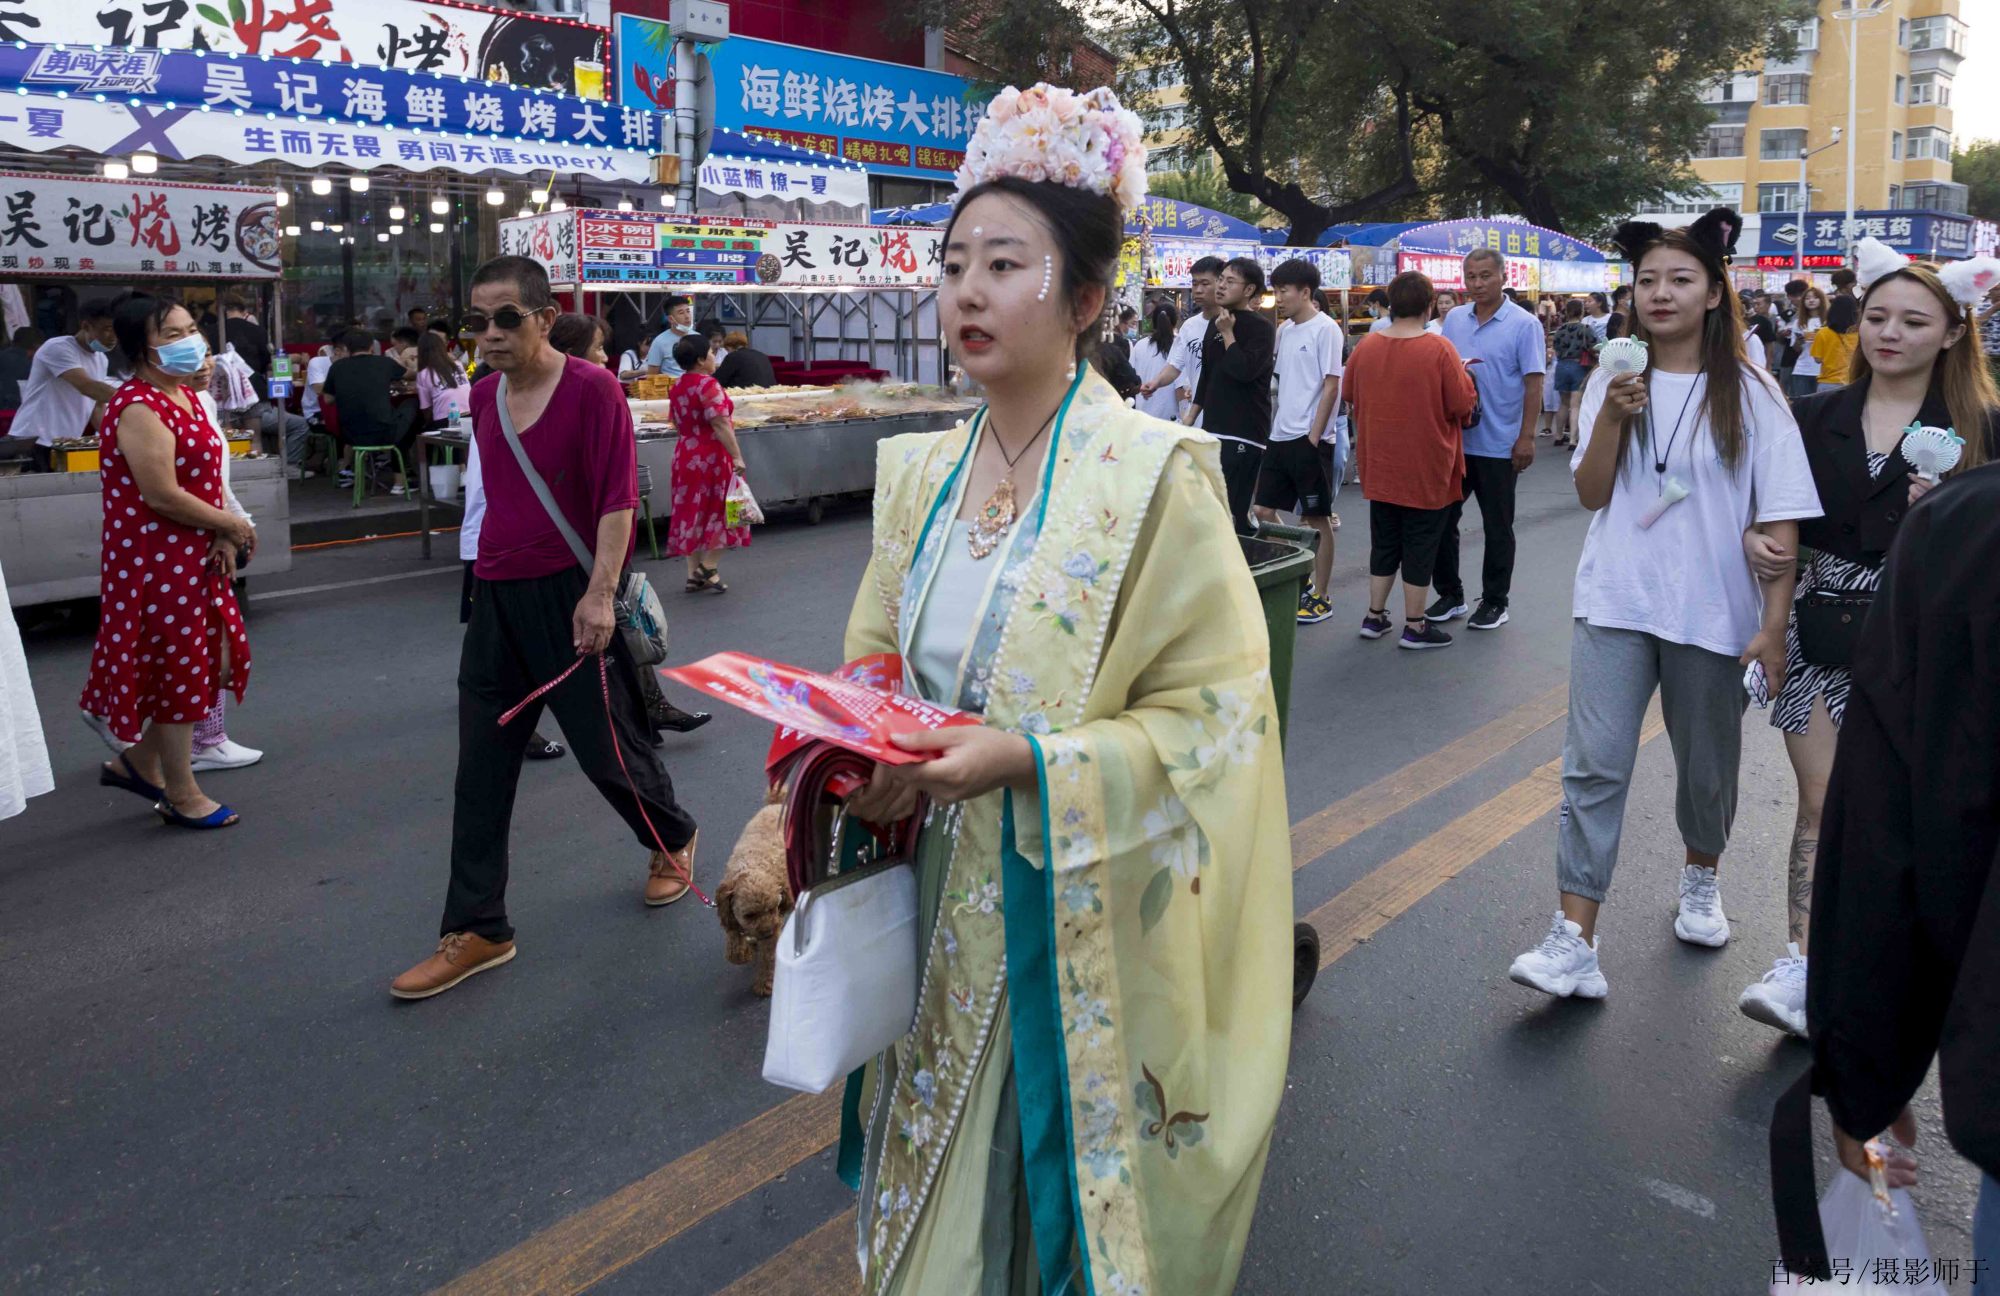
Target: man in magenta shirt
[[534, 610]]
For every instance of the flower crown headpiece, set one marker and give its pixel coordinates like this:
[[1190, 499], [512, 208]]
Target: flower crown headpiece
[[1966, 282], [1046, 133]]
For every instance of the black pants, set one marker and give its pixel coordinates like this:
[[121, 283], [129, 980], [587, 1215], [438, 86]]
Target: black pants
[[1242, 462], [519, 639], [1492, 481], [1403, 537]]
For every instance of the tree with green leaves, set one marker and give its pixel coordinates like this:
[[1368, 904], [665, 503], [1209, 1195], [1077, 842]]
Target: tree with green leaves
[[1570, 113], [1977, 167], [1201, 183]]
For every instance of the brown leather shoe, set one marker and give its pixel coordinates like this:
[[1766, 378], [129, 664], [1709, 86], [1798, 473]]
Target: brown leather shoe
[[458, 956], [668, 875]]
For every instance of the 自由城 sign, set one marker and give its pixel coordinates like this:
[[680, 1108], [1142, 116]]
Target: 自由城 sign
[[53, 226], [305, 93], [888, 117], [530, 51]]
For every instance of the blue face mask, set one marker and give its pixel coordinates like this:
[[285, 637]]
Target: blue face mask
[[99, 347], [183, 357]]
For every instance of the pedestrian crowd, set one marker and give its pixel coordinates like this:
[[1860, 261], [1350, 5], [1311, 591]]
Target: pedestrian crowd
[[1768, 529]]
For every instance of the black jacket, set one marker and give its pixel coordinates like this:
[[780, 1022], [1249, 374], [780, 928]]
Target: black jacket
[[1859, 513], [1235, 389], [746, 367], [1906, 890]]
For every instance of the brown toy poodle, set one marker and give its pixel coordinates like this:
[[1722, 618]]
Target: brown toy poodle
[[754, 898]]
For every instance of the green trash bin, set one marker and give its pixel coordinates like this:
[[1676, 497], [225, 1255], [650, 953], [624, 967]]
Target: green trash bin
[[1281, 560]]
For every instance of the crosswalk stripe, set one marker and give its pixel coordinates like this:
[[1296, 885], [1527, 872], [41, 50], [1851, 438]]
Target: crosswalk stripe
[[821, 1263]]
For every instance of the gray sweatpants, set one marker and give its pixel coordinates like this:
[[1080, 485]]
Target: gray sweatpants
[[1612, 675]]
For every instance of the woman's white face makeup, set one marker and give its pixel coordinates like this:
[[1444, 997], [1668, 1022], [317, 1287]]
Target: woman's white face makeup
[[1903, 328], [1000, 296]]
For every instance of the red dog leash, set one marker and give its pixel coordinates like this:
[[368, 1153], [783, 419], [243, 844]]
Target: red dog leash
[[604, 688]]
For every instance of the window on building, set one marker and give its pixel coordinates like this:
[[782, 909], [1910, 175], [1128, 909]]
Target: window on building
[[1896, 94], [1902, 33], [1807, 33], [1937, 32], [1720, 142], [1780, 145], [1778, 197], [1929, 142], [1895, 146], [1786, 88], [1698, 201], [1171, 118], [1161, 160], [1944, 196], [1930, 88], [1895, 196]]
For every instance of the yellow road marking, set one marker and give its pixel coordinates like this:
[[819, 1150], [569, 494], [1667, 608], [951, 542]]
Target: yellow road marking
[[571, 1255], [599, 1240], [1377, 899], [822, 1262], [1356, 813]]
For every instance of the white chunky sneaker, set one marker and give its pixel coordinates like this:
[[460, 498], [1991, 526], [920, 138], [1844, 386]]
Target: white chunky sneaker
[[225, 755], [1700, 920], [1779, 999], [1562, 965], [101, 726]]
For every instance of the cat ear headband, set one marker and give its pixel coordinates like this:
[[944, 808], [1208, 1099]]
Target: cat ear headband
[[1716, 232], [1965, 282]]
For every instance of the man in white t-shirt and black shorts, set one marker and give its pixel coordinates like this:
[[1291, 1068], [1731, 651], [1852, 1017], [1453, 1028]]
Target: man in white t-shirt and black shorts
[[1297, 476], [1183, 369], [67, 386]]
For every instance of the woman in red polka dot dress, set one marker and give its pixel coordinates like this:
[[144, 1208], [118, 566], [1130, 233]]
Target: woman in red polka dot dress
[[705, 458], [170, 633]]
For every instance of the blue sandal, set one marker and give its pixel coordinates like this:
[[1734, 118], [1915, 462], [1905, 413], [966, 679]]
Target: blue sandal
[[220, 817], [129, 781]]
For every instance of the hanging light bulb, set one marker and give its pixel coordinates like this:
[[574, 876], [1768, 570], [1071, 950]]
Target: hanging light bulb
[[145, 163], [666, 200], [440, 207], [359, 184], [525, 211], [281, 198], [437, 227], [496, 196], [396, 229], [322, 186], [624, 204], [396, 211], [559, 205], [116, 171], [381, 238], [337, 228], [317, 226], [291, 231]]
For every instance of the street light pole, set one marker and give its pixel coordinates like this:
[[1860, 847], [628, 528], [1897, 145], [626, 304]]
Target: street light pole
[[1805, 199], [1853, 15]]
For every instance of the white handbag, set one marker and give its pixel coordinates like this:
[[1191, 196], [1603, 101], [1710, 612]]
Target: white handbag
[[845, 986]]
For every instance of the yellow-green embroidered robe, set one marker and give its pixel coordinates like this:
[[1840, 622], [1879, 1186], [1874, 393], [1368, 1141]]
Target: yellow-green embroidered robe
[[1106, 958]]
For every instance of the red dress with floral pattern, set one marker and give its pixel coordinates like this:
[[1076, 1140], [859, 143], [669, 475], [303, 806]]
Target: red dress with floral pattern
[[701, 469], [166, 614]]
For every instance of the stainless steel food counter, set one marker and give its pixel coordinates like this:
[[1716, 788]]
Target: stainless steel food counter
[[51, 526]]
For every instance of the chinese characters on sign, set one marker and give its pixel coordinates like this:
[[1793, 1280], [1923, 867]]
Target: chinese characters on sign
[[631, 247], [1914, 233], [81, 225]]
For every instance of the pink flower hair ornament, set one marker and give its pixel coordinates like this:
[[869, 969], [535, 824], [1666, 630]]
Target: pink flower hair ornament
[[1046, 133]]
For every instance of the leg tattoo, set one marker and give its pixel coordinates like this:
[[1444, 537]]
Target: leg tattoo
[[1805, 845]]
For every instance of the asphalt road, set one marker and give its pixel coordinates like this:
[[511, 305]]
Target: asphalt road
[[205, 1087]]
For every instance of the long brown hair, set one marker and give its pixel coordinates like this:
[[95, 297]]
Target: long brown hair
[[434, 357], [1722, 357], [1959, 371]]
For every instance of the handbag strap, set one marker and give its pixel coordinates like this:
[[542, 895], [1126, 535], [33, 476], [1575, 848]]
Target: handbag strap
[[540, 487]]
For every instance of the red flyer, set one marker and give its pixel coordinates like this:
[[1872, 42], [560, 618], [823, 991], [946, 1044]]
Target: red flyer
[[857, 709]]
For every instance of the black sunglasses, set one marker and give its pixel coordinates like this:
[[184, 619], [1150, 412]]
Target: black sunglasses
[[506, 317]]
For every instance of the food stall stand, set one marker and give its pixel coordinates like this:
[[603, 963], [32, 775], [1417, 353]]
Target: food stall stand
[[1539, 260], [804, 443], [155, 234]]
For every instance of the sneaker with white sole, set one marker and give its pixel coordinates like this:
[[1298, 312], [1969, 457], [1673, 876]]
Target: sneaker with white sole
[[101, 726], [1446, 607], [1779, 999], [1700, 920], [225, 755], [1562, 965]]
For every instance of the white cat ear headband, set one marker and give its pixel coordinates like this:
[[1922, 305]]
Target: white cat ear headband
[[1966, 282]]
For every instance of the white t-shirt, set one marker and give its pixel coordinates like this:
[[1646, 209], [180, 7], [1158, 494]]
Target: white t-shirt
[[50, 408], [1806, 366], [1686, 579], [1382, 326], [1599, 324], [1308, 354], [1186, 356], [316, 370], [1753, 347], [1147, 361], [475, 506]]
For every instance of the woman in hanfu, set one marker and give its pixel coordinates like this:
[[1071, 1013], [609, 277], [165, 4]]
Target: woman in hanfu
[[1085, 1101]]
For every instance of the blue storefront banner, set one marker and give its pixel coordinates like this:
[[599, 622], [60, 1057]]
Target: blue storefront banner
[[890, 118], [1943, 235], [1509, 238], [1179, 219], [296, 91]]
